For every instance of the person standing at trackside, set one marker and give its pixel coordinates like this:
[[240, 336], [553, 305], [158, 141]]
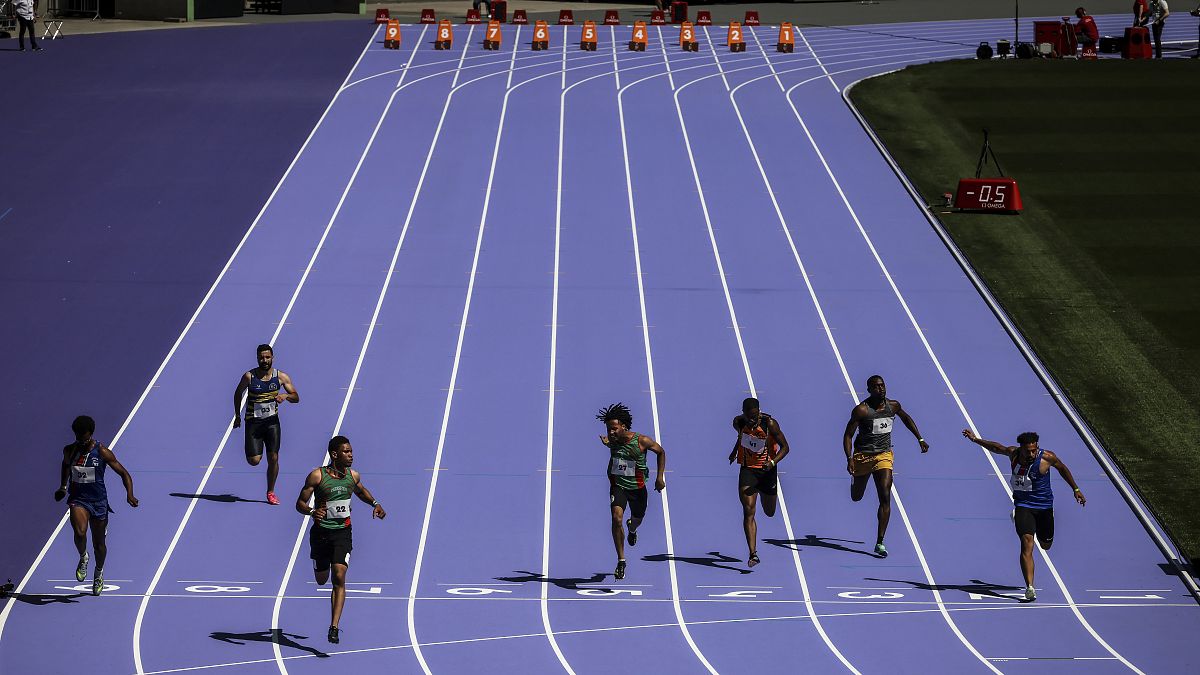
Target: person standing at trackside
[[83, 465], [330, 541], [1141, 13], [1033, 500], [627, 474], [870, 455], [26, 13], [1085, 29], [267, 388], [1159, 11], [759, 448]]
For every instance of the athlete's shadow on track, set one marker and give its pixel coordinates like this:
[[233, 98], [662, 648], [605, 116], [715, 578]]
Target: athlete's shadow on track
[[715, 561], [228, 499], [274, 635], [823, 542], [566, 583], [976, 586], [39, 599]]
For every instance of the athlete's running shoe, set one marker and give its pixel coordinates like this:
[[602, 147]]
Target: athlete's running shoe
[[881, 550], [1030, 594], [632, 537], [98, 582], [81, 571], [332, 636], [620, 571], [752, 560], [272, 499]]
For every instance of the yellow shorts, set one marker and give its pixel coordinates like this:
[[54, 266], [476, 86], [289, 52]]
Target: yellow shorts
[[864, 464]]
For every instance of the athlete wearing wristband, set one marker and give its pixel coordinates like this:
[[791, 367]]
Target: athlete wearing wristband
[[1033, 499], [759, 447], [330, 540]]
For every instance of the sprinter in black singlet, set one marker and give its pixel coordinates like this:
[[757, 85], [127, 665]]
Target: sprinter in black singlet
[[265, 388]]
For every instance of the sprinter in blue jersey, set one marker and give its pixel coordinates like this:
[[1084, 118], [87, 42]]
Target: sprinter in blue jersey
[[82, 483], [1033, 500], [265, 388]]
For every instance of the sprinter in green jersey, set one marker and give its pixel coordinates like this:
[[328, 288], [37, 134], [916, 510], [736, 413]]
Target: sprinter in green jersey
[[330, 488], [627, 474]]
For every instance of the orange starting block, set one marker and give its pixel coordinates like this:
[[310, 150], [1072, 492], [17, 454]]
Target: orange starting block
[[473, 16], [391, 35], [657, 18], [491, 38], [787, 38], [566, 17], [736, 41], [638, 41], [704, 18], [382, 15], [520, 18], [611, 18], [541, 36], [428, 16], [588, 41], [752, 18], [445, 35], [687, 37]]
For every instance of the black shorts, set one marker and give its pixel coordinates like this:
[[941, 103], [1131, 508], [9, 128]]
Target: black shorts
[[1039, 522], [633, 500], [262, 434], [763, 481], [329, 547]]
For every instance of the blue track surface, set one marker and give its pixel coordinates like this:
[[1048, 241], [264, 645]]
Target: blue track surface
[[476, 250]]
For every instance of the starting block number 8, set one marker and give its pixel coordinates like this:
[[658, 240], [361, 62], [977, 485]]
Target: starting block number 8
[[202, 588], [443, 33]]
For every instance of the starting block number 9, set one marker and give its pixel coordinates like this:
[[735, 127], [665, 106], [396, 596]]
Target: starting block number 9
[[393, 32], [203, 588]]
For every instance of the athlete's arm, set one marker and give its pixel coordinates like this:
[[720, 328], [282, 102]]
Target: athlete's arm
[[859, 412], [783, 444], [737, 426], [243, 384], [111, 459], [650, 445], [306, 493], [365, 495], [1063, 471], [64, 474], [291, 396], [991, 446], [912, 426]]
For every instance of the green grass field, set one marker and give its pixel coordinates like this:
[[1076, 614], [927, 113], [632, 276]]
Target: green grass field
[[1102, 270]]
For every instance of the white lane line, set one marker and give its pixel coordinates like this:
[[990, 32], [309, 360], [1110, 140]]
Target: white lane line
[[637, 256], [666, 63], [416, 577], [933, 356], [713, 48], [203, 302], [745, 360], [458, 70]]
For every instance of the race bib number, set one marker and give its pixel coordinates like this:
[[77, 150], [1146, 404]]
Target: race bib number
[[881, 425], [264, 409], [338, 509], [1022, 482], [754, 444], [83, 474], [622, 467]]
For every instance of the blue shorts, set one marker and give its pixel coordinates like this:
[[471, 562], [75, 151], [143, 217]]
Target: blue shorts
[[96, 508]]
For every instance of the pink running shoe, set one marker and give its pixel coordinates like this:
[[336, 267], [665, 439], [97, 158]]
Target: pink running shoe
[[272, 499]]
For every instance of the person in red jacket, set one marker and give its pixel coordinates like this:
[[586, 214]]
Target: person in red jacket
[[1085, 29], [1141, 13]]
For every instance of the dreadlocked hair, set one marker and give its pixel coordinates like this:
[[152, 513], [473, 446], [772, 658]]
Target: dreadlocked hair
[[617, 411]]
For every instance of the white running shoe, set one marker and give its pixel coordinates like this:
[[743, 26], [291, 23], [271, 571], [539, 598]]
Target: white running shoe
[[81, 570], [1030, 594]]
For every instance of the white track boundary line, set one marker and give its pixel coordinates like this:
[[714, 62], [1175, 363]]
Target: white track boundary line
[[637, 256], [933, 356], [203, 302], [712, 239]]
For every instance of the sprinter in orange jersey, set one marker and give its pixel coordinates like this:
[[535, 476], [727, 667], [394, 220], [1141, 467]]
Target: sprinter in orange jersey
[[759, 447]]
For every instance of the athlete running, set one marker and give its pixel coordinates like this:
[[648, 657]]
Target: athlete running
[[264, 384], [627, 475], [329, 488], [1033, 500], [870, 454], [83, 465], [759, 447]]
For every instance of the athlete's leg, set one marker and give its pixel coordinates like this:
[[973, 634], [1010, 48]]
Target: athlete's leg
[[858, 487], [271, 441], [79, 528], [99, 541], [883, 487], [254, 444], [1045, 529], [618, 530], [749, 499], [320, 575], [769, 502], [339, 592], [1027, 558]]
